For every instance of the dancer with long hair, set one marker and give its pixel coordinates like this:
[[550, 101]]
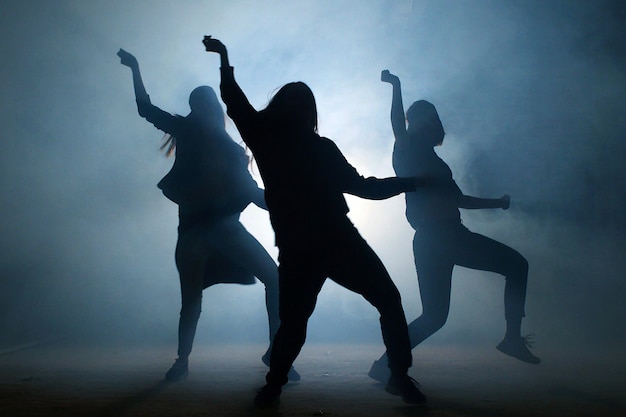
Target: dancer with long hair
[[211, 184], [305, 176]]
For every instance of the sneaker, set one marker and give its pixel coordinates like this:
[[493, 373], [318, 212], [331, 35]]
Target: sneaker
[[293, 375], [178, 371], [408, 388], [380, 371], [519, 348], [267, 396], [266, 357]]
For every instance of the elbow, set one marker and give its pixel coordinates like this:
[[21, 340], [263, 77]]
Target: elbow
[[142, 107], [142, 112]]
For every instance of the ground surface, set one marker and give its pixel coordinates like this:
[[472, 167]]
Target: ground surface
[[62, 380]]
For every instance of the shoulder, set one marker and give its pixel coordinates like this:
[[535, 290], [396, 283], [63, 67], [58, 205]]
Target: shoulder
[[328, 143], [328, 148]]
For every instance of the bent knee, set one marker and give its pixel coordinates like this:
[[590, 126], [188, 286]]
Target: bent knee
[[517, 268], [387, 293], [434, 321], [522, 265], [191, 309]]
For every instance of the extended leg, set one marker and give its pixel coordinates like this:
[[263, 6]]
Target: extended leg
[[237, 244], [486, 254], [434, 278], [299, 286], [359, 269], [190, 261], [240, 246]]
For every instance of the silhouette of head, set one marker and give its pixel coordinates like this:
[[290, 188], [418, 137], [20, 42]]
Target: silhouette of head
[[424, 123], [205, 110], [203, 102], [294, 104]]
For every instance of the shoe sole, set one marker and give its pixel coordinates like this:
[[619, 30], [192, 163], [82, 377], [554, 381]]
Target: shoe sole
[[394, 391], [525, 360], [180, 378], [378, 375], [293, 375]]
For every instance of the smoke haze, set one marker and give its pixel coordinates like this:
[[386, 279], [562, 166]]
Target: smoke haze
[[531, 94]]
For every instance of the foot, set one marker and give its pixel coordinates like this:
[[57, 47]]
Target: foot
[[380, 371], [267, 396], [518, 348], [267, 355], [293, 375], [407, 387], [178, 371]]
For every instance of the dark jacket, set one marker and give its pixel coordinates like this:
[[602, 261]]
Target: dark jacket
[[210, 173], [305, 175]]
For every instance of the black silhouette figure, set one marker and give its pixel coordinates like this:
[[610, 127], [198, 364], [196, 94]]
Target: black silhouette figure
[[211, 184], [441, 241], [305, 176]]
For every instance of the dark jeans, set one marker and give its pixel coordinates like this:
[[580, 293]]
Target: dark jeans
[[436, 252], [347, 259]]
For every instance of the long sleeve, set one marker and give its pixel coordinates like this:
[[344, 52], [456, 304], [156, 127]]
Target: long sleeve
[[238, 107], [381, 188], [372, 188], [161, 119]]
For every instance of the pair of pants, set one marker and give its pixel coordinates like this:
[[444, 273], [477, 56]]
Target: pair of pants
[[347, 259], [436, 252], [229, 240]]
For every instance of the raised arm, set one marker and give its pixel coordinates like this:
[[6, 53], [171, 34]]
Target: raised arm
[[237, 105], [215, 45], [398, 123], [130, 61], [469, 202], [159, 118]]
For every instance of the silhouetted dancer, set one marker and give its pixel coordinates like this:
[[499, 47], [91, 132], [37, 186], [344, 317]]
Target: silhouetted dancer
[[305, 176], [441, 241], [211, 184]]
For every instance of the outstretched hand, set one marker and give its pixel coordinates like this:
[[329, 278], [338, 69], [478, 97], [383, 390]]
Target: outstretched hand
[[387, 77], [506, 201], [127, 58], [213, 45]]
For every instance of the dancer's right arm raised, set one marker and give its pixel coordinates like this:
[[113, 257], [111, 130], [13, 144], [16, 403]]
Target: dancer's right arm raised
[[238, 107], [398, 123], [161, 119]]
